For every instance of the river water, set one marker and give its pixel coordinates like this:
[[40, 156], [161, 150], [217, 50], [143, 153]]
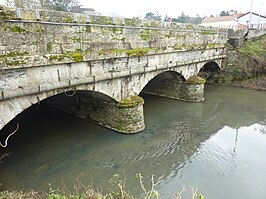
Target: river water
[[217, 146]]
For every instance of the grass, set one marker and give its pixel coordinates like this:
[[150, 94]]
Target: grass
[[117, 190], [254, 48]]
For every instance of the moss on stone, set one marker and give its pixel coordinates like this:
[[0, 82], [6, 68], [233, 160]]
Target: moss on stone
[[132, 22], [195, 80], [101, 52], [170, 34], [14, 58], [137, 52], [77, 56], [130, 102], [49, 46], [14, 54], [146, 34], [104, 20], [69, 19], [53, 57], [88, 29], [38, 28], [5, 14], [76, 39], [18, 29]]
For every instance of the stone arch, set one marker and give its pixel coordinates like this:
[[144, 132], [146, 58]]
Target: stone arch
[[210, 67], [15, 106], [162, 83]]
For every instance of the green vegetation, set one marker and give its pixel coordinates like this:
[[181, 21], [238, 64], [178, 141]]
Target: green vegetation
[[101, 20], [49, 46], [137, 52], [170, 34], [88, 29], [38, 28], [77, 55], [18, 29], [196, 80], [196, 46], [130, 102], [244, 67], [13, 54], [146, 34], [14, 58], [69, 19], [133, 52], [116, 190], [206, 32], [5, 14], [132, 22], [101, 52], [254, 48], [76, 39]]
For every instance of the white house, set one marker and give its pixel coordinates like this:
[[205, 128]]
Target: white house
[[236, 21], [257, 21]]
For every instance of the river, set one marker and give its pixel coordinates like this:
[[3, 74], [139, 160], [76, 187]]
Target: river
[[217, 146]]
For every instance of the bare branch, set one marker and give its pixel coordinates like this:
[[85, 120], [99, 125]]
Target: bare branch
[[5, 145]]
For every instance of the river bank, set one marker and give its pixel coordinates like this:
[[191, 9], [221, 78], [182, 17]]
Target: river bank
[[243, 67]]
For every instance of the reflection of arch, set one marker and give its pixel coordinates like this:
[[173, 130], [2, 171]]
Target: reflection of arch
[[210, 67], [16, 106], [162, 83]]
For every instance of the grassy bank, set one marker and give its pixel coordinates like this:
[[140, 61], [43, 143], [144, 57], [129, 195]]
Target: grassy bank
[[117, 190], [244, 67]]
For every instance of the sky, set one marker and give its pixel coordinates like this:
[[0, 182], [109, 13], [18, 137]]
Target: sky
[[173, 8]]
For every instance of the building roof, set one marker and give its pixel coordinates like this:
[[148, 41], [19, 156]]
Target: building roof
[[218, 19], [234, 17], [262, 16]]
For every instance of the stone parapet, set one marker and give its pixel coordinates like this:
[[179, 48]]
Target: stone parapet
[[55, 38]]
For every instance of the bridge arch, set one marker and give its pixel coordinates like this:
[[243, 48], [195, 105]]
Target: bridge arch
[[14, 107], [210, 67], [163, 81]]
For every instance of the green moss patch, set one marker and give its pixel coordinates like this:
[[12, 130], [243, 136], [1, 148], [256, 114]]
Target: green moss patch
[[76, 56], [130, 102], [196, 80], [5, 14]]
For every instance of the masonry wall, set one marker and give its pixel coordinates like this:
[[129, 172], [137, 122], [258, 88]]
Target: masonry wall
[[57, 38]]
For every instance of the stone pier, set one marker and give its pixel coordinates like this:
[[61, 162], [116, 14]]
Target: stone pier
[[171, 85], [125, 116]]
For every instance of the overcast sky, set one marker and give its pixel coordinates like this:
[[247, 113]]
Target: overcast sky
[[173, 8]]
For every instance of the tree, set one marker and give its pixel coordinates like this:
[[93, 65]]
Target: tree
[[59, 5], [30, 4], [182, 18], [152, 16], [224, 13], [62, 5]]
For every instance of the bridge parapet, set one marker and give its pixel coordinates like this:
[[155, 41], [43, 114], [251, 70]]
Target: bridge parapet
[[49, 37]]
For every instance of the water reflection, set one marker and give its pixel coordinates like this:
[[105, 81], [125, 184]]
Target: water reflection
[[218, 146]]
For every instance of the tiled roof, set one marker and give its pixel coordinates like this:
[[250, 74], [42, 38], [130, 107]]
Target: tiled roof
[[234, 17], [222, 18]]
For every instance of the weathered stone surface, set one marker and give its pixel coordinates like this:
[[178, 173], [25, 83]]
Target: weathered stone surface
[[174, 85], [124, 117]]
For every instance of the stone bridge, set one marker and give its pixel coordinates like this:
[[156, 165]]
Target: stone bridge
[[95, 67]]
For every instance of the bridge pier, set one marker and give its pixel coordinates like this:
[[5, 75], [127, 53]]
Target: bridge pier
[[191, 90], [125, 116]]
